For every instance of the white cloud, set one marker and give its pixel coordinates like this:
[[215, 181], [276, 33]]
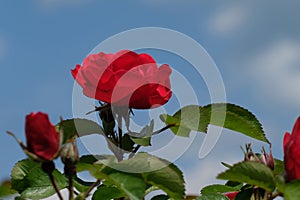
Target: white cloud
[[276, 69], [227, 19], [199, 173], [202, 175]]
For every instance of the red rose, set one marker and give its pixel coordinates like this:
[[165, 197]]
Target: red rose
[[291, 145], [124, 79], [41, 136], [231, 195]]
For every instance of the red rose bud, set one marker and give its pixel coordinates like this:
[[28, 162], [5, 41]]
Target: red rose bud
[[41, 136], [267, 159], [231, 195], [124, 79], [291, 146]]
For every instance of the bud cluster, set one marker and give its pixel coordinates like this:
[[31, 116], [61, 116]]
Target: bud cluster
[[264, 158]]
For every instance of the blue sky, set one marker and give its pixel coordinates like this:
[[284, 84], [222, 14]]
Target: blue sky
[[256, 46]]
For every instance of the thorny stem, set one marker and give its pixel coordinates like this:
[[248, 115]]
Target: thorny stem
[[163, 129], [134, 151], [276, 194], [71, 188], [85, 195], [268, 196], [55, 186], [113, 136], [120, 137], [120, 132], [256, 193], [111, 146]]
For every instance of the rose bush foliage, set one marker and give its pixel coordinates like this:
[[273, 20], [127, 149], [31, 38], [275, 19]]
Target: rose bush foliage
[[130, 80]]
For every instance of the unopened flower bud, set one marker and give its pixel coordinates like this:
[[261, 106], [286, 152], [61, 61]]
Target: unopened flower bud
[[231, 195], [249, 155], [267, 159], [69, 153]]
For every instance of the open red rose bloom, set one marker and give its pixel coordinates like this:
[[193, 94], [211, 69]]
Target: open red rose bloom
[[124, 79], [41, 136], [291, 145]]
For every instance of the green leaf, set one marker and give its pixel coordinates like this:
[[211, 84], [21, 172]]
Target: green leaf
[[244, 194], [81, 185], [156, 172], [131, 185], [237, 119], [280, 183], [134, 187], [218, 189], [150, 169], [194, 117], [177, 128], [144, 137], [225, 115], [188, 118], [146, 141], [86, 162], [169, 178], [226, 165], [107, 193], [278, 167], [234, 184], [212, 197], [127, 143], [5, 188], [73, 128], [31, 182], [151, 189], [253, 173], [190, 197], [292, 191]]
